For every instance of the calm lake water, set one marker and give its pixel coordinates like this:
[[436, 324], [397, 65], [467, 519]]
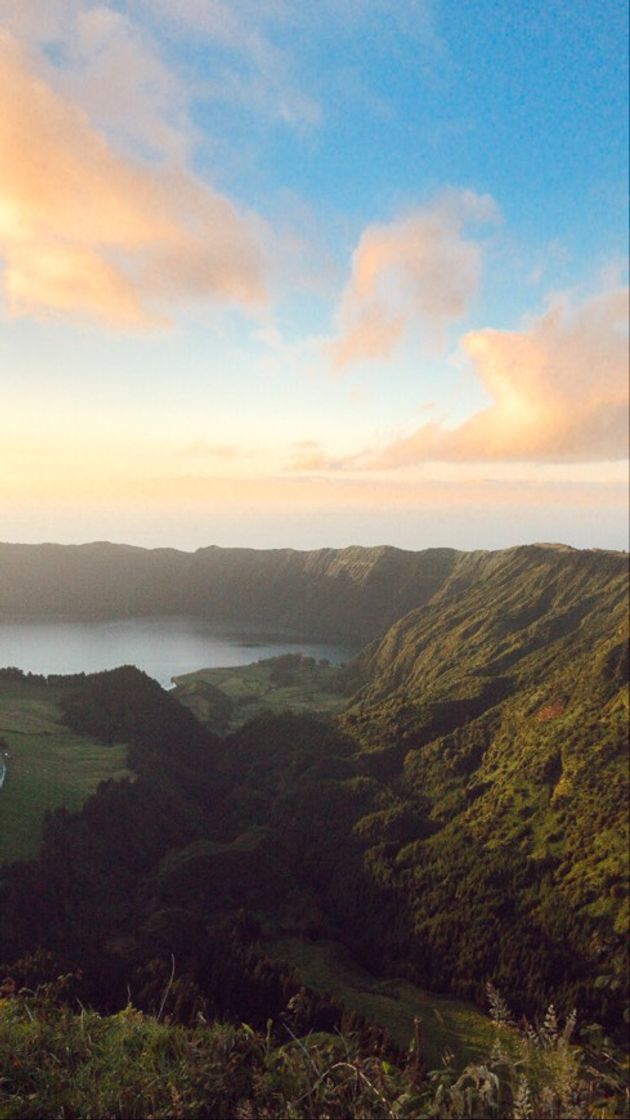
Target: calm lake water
[[162, 647]]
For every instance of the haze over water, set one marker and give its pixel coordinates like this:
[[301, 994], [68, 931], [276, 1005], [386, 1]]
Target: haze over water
[[162, 647]]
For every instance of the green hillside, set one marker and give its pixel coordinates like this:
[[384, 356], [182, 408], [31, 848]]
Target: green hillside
[[502, 621], [448, 1025], [497, 717]]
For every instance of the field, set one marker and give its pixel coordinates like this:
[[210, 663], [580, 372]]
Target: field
[[48, 765], [447, 1024], [225, 699]]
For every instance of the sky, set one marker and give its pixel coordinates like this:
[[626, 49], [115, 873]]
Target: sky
[[288, 274]]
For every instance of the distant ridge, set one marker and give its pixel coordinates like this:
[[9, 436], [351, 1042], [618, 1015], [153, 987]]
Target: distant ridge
[[353, 593]]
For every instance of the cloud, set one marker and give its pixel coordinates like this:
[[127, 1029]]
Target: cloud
[[110, 65], [249, 65], [277, 60], [417, 271], [263, 50], [309, 456], [559, 389], [88, 230], [44, 22]]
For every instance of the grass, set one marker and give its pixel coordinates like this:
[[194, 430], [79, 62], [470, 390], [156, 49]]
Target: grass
[[447, 1024], [304, 686], [49, 766], [58, 1063]]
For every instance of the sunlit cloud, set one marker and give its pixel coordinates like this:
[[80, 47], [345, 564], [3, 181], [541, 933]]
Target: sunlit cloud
[[421, 271], [88, 230], [111, 66], [559, 389]]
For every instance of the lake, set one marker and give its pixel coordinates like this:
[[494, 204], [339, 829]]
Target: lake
[[162, 647]]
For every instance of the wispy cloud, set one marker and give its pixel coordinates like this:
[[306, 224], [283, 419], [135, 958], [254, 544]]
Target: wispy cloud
[[309, 456], [110, 65], [559, 389], [87, 230], [253, 69], [419, 271], [198, 491]]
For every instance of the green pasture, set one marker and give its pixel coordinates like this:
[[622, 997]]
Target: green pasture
[[447, 1024], [308, 687], [48, 765]]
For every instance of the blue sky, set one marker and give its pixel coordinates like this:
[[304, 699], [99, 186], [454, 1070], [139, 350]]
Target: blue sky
[[314, 274]]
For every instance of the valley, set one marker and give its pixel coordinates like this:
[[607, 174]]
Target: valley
[[376, 840]]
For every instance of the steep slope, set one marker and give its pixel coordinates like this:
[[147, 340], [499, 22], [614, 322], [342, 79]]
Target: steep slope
[[353, 593], [499, 621], [496, 719]]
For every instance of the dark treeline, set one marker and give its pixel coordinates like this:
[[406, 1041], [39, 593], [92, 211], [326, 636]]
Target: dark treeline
[[139, 881], [282, 829]]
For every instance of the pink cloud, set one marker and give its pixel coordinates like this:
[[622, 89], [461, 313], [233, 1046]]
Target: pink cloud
[[87, 230], [559, 390], [420, 270]]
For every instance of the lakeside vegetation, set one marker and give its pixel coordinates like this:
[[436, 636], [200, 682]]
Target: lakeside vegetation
[[225, 699]]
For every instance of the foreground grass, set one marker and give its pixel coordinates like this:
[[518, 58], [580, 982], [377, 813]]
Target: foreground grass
[[57, 1063], [49, 766]]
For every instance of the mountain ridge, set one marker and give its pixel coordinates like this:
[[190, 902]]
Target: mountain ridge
[[353, 593]]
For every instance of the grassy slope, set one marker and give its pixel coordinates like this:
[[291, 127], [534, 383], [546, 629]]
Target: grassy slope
[[308, 686], [447, 1024], [494, 720], [49, 766]]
